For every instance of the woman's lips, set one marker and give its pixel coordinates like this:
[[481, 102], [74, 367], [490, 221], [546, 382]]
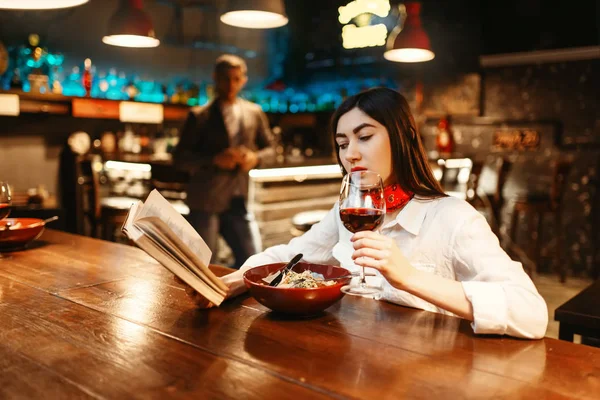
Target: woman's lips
[[358, 168]]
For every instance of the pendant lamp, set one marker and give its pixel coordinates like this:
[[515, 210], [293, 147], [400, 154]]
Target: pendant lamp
[[408, 42], [130, 26], [39, 4], [255, 14]]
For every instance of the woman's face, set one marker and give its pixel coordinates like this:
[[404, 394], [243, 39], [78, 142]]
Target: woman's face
[[364, 143]]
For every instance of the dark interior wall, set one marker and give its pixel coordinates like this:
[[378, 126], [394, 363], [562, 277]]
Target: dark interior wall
[[526, 25], [567, 93], [559, 101]]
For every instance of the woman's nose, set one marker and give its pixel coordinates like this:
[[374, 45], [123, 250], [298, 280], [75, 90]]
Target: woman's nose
[[352, 153]]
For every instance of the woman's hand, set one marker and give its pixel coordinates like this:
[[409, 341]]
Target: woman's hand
[[380, 252], [376, 251], [196, 297]]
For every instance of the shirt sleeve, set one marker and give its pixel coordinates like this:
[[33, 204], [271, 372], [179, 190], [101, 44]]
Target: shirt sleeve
[[504, 299]]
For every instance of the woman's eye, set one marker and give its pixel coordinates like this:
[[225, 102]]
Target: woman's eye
[[365, 138], [343, 145]]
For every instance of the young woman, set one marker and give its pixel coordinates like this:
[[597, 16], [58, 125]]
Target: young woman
[[433, 252]]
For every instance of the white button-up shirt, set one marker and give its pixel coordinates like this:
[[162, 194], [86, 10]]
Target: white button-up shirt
[[445, 237]]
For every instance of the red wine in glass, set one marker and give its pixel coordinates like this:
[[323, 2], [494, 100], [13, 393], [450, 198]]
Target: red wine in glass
[[361, 219], [362, 208], [4, 210]]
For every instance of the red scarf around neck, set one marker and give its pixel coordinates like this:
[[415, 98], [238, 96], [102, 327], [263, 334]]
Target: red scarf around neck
[[395, 197]]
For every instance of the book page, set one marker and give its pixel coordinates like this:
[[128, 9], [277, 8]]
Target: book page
[[157, 206], [167, 259], [160, 232], [130, 230]]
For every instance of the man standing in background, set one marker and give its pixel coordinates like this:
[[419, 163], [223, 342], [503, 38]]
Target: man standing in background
[[220, 142]]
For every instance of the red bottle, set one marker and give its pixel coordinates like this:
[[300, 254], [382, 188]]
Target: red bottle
[[87, 76], [444, 140]]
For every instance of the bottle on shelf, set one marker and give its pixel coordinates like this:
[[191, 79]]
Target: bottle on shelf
[[444, 140], [87, 76], [126, 143], [56, 80]]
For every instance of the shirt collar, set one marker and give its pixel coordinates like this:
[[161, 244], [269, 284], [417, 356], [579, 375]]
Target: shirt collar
[[411, 217]]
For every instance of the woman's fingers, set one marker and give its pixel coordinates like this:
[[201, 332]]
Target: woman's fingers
[[197, 298], [190, 291], [368, 262], [371, 243], [371, 239], [201, 301], [365, 234], [370, 252]]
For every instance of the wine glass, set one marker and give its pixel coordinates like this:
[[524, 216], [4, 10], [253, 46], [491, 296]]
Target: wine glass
[[5, 204], [5, 200], [362, 208]]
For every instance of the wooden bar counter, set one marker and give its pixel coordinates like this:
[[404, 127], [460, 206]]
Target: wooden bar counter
[[84, 318]]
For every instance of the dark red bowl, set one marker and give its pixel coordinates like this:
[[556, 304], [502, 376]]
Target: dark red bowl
[[16, 233], [295, 301]]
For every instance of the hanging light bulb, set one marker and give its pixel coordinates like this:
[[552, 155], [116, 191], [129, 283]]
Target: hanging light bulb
[[408, 42], [255, 14], [39, 4], [130, 26]]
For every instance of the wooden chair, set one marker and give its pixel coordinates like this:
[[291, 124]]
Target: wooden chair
[[497, 199], [94, 213], [536, 206], [87, 204], [471, 194], [173, 185], [113, 211]]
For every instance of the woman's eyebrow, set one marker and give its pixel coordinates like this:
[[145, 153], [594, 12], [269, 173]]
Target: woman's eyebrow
[[355, 130], [361, 126]]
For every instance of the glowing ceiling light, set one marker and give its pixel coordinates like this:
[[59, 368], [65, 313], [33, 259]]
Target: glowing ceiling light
[[130, 26], [409, 55], [39, 4], [408, 42], [255, 14], [131, 41]]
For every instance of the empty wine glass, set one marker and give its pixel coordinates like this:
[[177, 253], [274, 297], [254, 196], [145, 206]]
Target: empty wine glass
[[362, 208], [5, 200]]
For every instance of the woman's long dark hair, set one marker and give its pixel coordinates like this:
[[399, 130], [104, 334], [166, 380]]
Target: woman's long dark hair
[[390, 109]]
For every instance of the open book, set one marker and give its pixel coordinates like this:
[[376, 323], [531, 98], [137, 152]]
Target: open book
[[158, 229]]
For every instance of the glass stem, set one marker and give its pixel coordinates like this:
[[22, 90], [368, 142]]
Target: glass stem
[[363, 280]]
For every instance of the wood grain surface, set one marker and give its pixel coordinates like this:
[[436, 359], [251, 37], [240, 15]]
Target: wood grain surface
[[84, 318]]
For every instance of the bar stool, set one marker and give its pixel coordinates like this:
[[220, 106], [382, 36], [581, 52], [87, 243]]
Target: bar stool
[[303, 221], [537, 205]]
